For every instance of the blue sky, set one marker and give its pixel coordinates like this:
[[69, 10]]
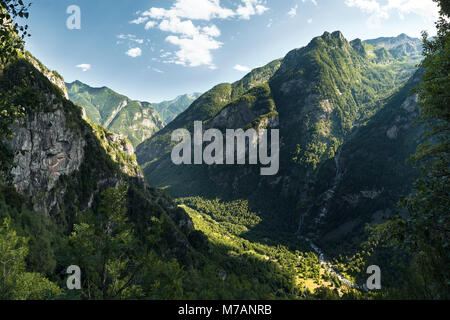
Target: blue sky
[[154, 50]]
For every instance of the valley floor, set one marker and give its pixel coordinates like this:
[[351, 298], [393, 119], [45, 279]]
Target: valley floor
[[303, 266]]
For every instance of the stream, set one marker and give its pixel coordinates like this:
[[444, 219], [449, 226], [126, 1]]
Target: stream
[[327, 196], [327, 265]]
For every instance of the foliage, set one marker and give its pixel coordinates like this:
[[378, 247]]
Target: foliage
[[427, 229], [11, 32], [230, 214], [116, 263], [412, 248], [100, 244], [15, 282], [11, 44], [204, 108], [241, 267], [134, 243]]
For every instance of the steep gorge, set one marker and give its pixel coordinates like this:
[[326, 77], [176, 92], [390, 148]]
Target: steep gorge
[[322, 95]]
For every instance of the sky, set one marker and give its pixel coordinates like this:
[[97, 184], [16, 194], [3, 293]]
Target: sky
[[155, 50]]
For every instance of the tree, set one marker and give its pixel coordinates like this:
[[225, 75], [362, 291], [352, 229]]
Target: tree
[[11, 43], [114, 264], [10, 111], [427, 229], [103, 246], [12, 33], [15, 282], [429, 223]]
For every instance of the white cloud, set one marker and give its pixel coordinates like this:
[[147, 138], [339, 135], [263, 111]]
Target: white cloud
[[134, 52], [195, 51], [378, 12], [192, 9], [211, 31], [139, 20], [313, 1], [309, 21], [130, 37], [195, 43], [238, 67], [293, 12], [155, 69], [84, 67], [250, 8], [150, 25], [175, 25]]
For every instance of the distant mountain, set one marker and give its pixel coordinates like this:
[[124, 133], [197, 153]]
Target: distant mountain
[[204, 108], [136, 120], [169, 110], [318, 96], [400, 47]]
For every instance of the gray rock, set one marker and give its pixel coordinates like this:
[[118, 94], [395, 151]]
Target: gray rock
[[47, 149]]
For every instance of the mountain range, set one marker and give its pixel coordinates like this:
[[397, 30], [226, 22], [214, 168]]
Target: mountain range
[[324, 98], [135, 120]]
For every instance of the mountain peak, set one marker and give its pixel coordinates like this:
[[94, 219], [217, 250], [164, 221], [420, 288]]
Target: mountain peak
[[334, 37], [335, 34], [403, 36], [76, 82], [338, 35]]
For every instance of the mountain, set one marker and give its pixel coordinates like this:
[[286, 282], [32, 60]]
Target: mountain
[[400, 47], [205, 107], [169, 110], [66, 170], [319, 97], [136, 120], [77, 197], [62, 160], [369, 174]]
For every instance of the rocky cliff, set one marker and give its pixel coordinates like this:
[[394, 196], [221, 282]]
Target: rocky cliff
[[63, 162], [52, 144]]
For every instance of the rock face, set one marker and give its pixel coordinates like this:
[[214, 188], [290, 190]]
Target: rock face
[[62, 160], [122, 146], [205, 108], [400, 46], [47, 149], [374, 173], [244, 111], [52, 76]]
